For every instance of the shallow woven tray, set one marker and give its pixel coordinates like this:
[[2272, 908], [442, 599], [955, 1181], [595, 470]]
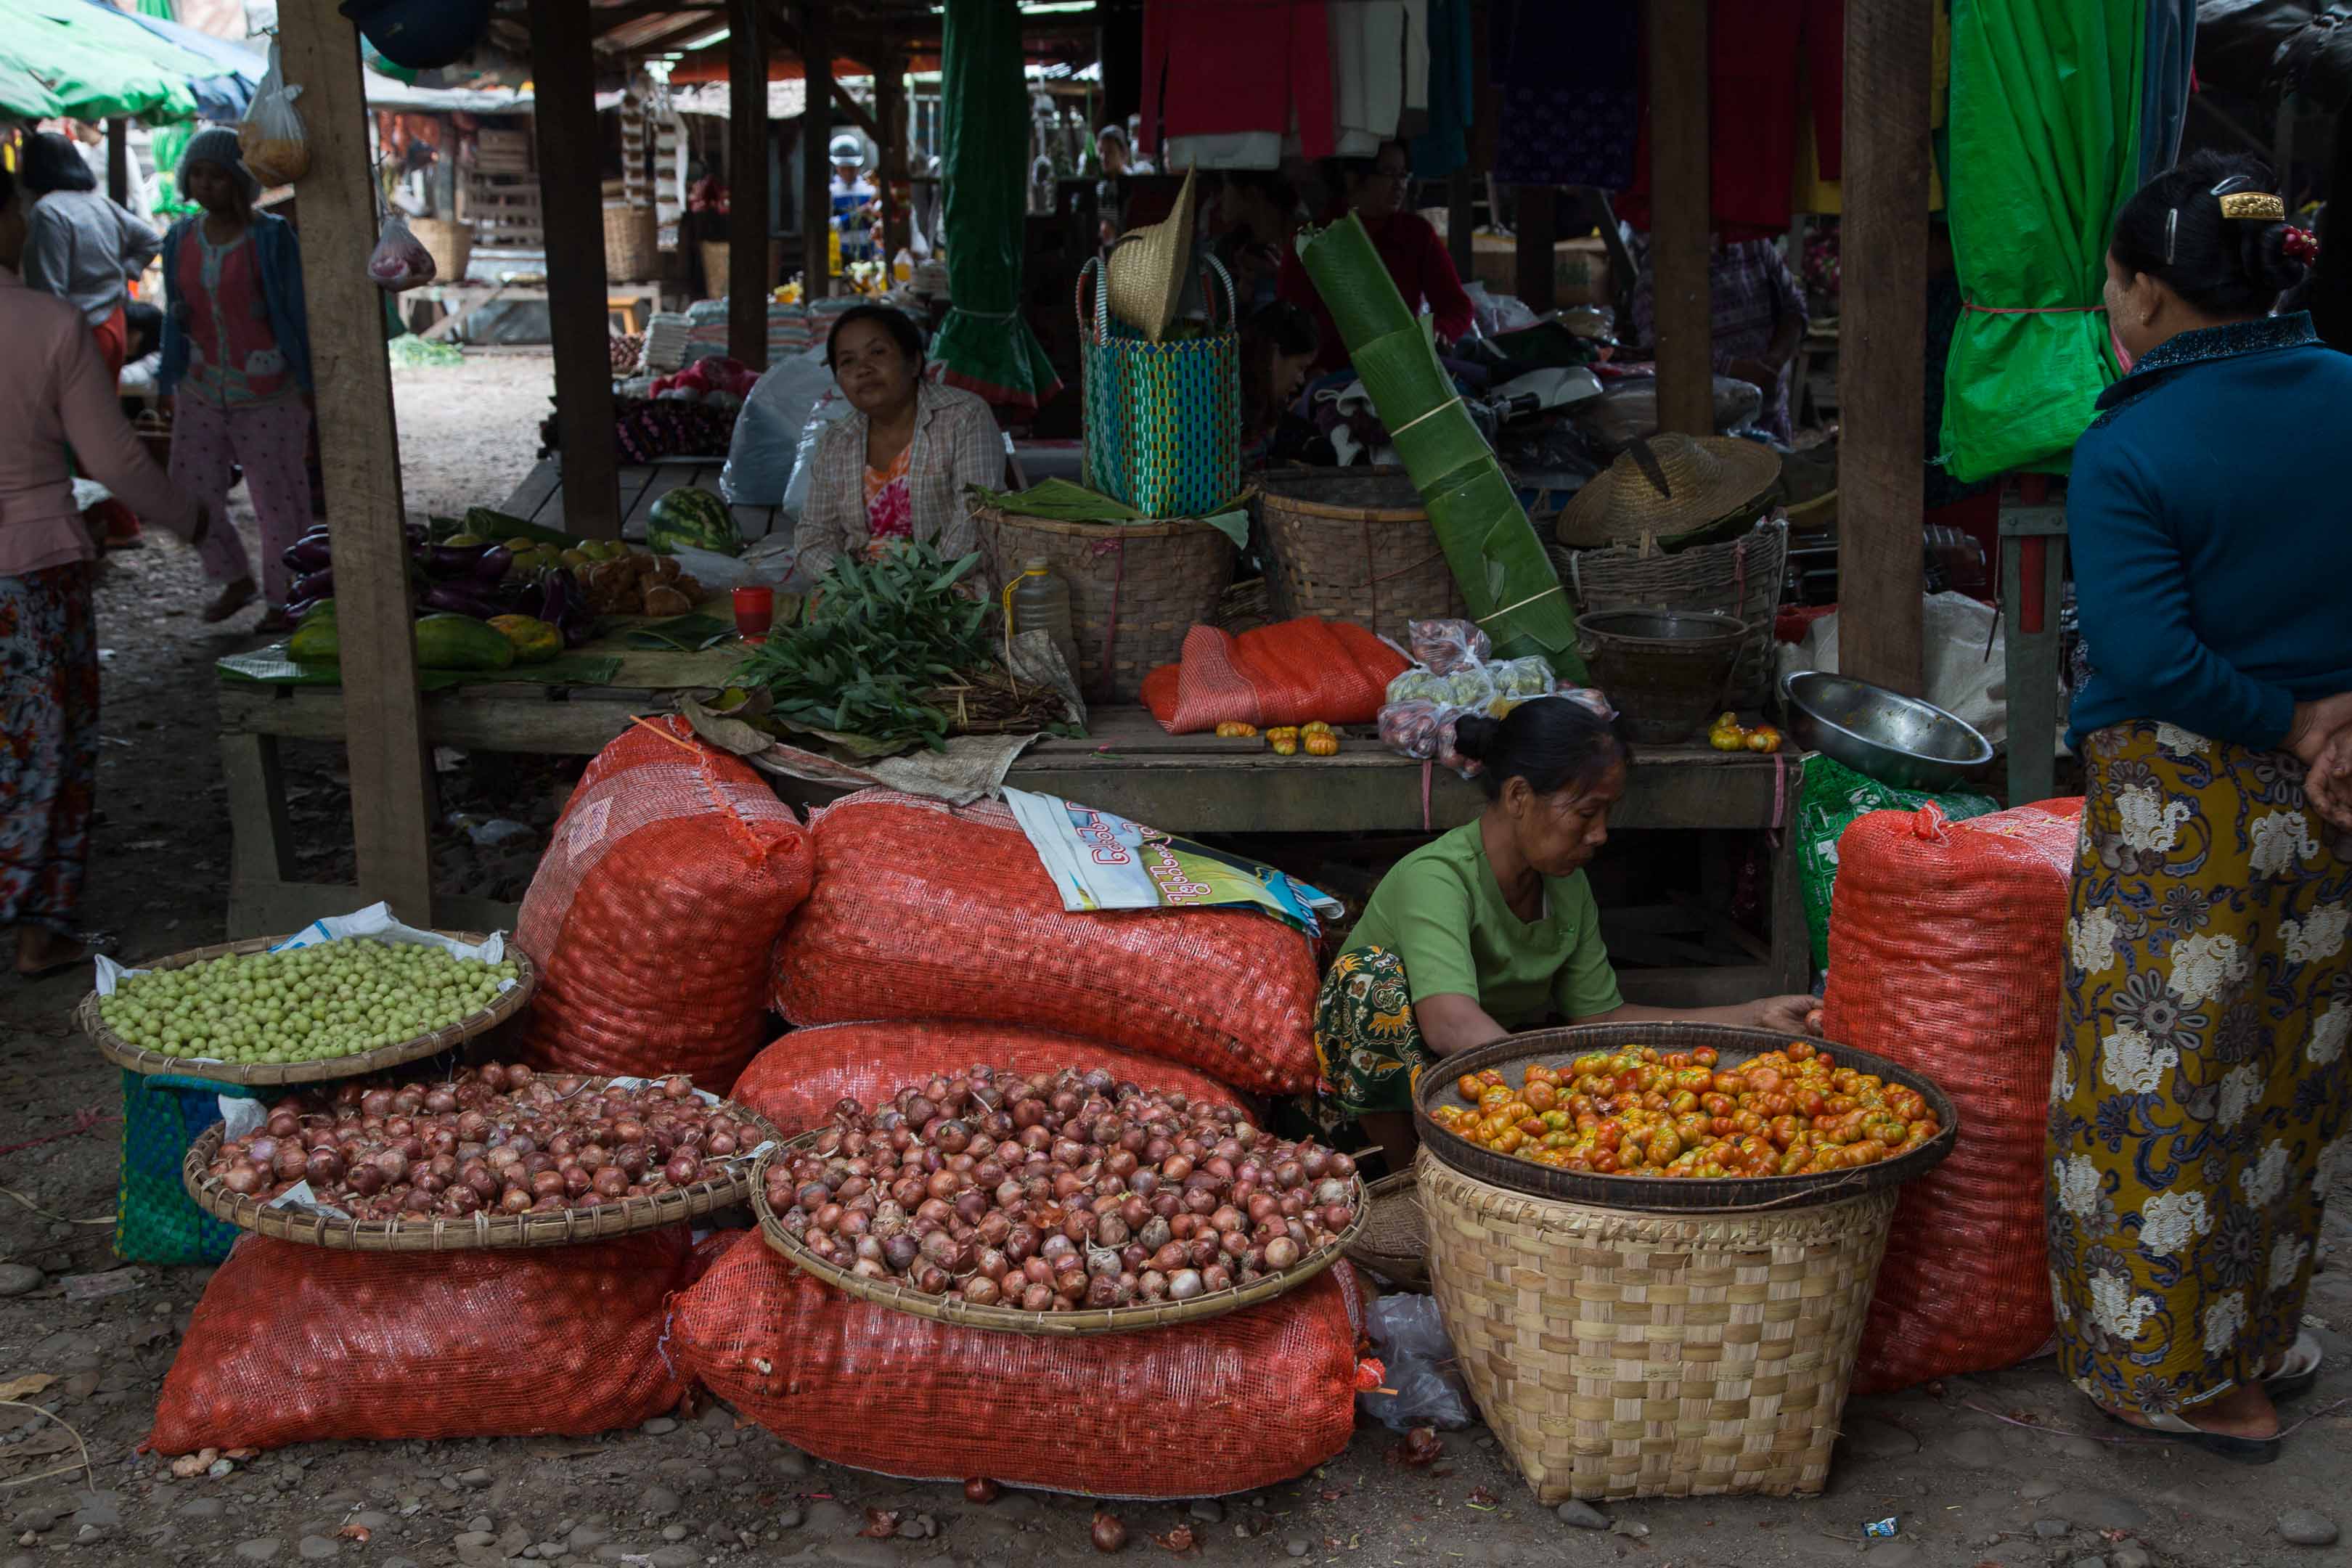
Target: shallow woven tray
[[1393, 1236], [139, 1059], [1013, 1319], [1556, 1047], [480, 1233]]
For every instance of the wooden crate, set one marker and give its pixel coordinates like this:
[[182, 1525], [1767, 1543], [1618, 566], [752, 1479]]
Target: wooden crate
[[502, 152]]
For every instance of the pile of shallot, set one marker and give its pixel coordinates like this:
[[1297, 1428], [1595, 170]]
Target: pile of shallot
[[1056, 1192], [494, 1140]]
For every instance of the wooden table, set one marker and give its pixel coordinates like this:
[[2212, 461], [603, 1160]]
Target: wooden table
[[1191, 785], [540, 498], [462, 299]]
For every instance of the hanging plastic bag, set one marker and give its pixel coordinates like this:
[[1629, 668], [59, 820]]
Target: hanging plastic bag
[[270, 136], [400, 259]]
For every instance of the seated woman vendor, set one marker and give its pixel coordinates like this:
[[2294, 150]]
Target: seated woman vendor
[[1492, 929], [895, 466]]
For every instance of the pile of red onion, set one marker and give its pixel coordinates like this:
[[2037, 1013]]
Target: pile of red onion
[[493, 1140], [1058, 1191]]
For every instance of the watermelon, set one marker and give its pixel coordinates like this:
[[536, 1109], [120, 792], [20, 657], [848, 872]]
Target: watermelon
[[691, 519]]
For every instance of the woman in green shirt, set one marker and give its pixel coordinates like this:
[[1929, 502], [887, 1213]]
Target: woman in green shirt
[[1492, 929]]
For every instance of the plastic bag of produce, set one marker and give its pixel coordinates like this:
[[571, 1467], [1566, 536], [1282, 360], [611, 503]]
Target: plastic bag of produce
[[1419, 685], [399, 259], [270, 137], [655, 910], [298, 1345], [1444, 647], [924, 910], [1410, 727], [796, 1082], [766, 446], [1948, 940], [1187, 1411], [1517, 679], [1292, 673]]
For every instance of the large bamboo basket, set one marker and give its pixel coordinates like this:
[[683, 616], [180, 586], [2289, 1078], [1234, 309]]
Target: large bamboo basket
[[1135, 588], [1084, 1322], [1354, 546], [449, 243], [1738, 577], [1617, 1353], [139, 1059], [632, 242]]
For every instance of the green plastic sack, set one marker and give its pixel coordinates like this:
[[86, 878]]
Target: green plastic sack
[[1832, 797], [155, 1221]]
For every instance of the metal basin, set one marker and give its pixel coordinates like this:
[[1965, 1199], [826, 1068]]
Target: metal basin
[[1895, 739], [1666, 670]]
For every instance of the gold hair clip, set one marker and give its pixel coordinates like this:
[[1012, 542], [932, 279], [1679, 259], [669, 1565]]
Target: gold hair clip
[[2255, 207]]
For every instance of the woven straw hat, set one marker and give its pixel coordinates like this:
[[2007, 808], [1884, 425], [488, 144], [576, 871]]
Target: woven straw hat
[[1147, 268], [1669, 485]]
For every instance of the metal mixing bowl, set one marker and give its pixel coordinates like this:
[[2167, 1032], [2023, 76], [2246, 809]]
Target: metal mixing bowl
[[1895, 739]]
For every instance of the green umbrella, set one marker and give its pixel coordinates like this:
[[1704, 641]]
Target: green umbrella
[[2044, 136], [984, 345], [95, 63]]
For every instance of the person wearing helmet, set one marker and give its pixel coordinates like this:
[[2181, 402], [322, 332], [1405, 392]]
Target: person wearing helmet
[[853, 198]]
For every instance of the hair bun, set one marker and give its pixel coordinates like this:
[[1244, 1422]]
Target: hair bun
[[2264, 256], [1475, 735]]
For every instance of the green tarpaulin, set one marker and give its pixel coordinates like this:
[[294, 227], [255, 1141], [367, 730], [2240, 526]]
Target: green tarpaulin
[[70, 58], [984, 345], [2044, 137]]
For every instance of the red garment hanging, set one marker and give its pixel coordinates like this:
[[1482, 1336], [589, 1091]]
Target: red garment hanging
[[1213, 67], [1753, 111]]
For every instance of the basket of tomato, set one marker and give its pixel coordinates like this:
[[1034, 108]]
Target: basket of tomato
[[1654, 1246]]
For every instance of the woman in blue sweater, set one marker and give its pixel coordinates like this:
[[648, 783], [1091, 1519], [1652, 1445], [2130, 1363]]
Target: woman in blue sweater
[[2198, 1104]]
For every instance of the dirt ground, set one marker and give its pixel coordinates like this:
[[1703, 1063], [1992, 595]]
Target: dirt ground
[[1967, 1483]]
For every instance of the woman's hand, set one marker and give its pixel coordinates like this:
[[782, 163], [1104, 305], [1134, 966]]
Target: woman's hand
[[1785, 1014], [2316, 724], [2329, 785]]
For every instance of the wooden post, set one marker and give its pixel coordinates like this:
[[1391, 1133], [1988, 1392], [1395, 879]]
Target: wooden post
[[359, 453], [571, 198], [890, 115], [1881, 339], [749, 276], [817, 130], [1680, 215], [118, 160], [1538, 253], [1461, 223]]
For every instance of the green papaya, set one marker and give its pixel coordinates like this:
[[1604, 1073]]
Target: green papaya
[[451, 641], [317, 640]]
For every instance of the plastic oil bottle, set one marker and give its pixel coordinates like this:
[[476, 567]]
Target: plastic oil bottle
[[1039, 601]]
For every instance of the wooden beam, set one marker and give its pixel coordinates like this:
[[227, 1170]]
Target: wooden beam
[[570, 186], [604, 19], [817, 129], [359, 453], [118, 160], [1679, 215], [749, 278], [1537, 256], [670, 37], [1461, 222], [1882, 338], [890, 113]]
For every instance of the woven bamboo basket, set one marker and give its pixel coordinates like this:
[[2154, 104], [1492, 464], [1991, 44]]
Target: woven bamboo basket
[[1135, 588], [717, 255], [1740, 577], [632, 242], [1395, 1240], [1354, 546], [139, 1059], [450, 244], [479, 1232], [1087, 1320], [1617, 1353]]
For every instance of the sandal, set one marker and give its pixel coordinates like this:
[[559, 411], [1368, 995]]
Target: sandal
[[2297, 1371], [2239, 1450], [231, 599], [275, 619]]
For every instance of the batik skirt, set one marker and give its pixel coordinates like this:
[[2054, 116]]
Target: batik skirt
[[49, 742], [2198, 1104], [1366, 1041]]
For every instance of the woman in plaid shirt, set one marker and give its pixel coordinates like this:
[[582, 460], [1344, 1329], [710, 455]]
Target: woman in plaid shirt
[[897, 465]]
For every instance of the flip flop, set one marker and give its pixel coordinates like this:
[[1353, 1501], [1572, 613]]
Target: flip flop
[[2238, 1450], [2297, 1371], [93, 942]]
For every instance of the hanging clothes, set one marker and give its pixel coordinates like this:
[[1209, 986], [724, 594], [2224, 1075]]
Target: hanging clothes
[[1444, 146], [1244, 69], [1374, 46], [1568, 80], [1821, 197], [2163, 91]]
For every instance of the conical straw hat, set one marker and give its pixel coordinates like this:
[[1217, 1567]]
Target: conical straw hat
[[1668, 485], [1147, 268]]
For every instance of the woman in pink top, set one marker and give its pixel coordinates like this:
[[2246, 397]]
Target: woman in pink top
[[56, 395]]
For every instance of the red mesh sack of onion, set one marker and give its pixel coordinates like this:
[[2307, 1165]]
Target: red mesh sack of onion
[[655, 912], [922, 911], [796, 1082], [297, 1344], [1191, 1410]]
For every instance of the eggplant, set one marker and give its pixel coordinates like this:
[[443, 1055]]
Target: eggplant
[[452, 561], [555, 596], [491, 567], [318, 584], [464, 598], [308, 553], [297, 608]]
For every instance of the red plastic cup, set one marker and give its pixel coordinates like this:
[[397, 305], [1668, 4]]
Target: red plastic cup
[[755, 611]]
